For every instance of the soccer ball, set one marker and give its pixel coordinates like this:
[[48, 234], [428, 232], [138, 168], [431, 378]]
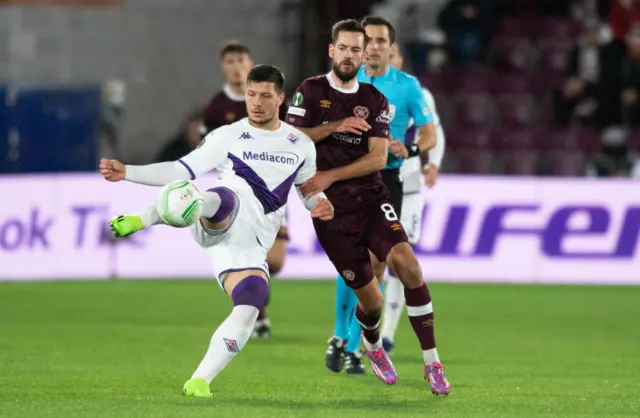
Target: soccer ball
[[179, 204]]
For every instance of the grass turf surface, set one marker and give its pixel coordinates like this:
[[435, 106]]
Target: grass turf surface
[[124, 349]]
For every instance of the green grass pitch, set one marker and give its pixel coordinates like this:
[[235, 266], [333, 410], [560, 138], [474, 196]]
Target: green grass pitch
[[124, 349]]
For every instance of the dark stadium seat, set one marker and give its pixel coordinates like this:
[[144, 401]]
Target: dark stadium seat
[[476, 81], [474, 110], [513, 83], [515, 28], [555, 28], [633, 139], [437, 83], [566, 164], [522, 139], [475, 161], [589, 141], [511, 54], [520, 163], [468, 139], [554, 55], [516, 110], [558, 140]]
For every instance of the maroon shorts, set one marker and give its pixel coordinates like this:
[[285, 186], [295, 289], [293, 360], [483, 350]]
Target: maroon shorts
[[348, 238]]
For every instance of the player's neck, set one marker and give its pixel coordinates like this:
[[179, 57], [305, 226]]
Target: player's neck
[[272, 125], [376, 72], [342, 84], [236, 89]]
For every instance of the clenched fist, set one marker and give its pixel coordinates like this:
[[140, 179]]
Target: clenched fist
[[112, 170]]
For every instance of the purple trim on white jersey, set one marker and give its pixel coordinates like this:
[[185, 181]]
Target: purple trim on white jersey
[[271, 200], [191, 173]]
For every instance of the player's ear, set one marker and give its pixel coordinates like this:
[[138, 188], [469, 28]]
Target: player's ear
[[394, 49], [280, 99], [331, 50]]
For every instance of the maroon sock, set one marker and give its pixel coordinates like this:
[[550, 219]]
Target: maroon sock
[[370, 325], [421, 315]]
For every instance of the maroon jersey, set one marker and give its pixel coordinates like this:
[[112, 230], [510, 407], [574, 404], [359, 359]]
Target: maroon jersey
[[318, 101], [226, 108]]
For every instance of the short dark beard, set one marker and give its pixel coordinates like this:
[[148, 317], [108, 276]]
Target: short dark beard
[[344, 77]]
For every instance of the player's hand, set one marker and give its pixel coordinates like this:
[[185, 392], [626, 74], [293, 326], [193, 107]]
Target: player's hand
[[323, 210], [316, 184], [112, 170], [353, 125], [398, 149], [430, 175]]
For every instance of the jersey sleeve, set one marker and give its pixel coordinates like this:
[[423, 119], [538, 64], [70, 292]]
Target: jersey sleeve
[[300, 113], [418, 108], [380, 119], [308, 168], [211, 153]]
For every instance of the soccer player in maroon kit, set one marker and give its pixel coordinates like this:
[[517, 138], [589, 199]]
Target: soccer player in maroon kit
[[349, 122], [226, 107]]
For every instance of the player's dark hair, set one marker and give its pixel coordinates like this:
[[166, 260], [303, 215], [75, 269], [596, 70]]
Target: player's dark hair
[[234, 47], [267, 73], [380, 21], [347, 25]]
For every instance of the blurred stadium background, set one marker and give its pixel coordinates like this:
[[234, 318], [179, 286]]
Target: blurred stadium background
[[540, 102]]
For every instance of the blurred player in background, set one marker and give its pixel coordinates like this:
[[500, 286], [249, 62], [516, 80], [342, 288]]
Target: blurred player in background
[[415, 173], [228, 106], [242, 215], [406, 102], [349, 121]]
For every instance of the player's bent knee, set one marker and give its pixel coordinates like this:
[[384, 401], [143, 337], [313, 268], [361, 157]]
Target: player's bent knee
[[405, 265], [252, 290]]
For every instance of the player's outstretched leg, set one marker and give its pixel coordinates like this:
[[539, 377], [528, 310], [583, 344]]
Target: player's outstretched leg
[[368, 312], [420, 309], [393, 306], [248, 290], [345, 310], [219, 203]]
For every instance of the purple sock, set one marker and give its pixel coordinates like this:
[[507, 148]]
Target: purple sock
[[227, 203], [252, 291]]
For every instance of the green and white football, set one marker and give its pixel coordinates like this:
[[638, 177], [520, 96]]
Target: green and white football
[[180, 204]]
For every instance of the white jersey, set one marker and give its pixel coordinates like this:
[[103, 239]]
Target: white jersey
[[411, 170], [260, 167]]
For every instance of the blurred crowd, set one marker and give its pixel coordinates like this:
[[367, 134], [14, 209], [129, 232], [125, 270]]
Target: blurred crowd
[[526, 87]]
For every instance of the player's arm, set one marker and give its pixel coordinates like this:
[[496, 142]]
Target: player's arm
[[423, 117], [317, 203], [436, 154], [211, 153], [374, 160], [303, 115]]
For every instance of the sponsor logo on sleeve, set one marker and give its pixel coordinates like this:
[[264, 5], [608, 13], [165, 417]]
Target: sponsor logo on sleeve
[[384, 117]]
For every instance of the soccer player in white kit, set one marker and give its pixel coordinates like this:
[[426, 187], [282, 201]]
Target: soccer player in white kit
[[259, 158], [415, 174]]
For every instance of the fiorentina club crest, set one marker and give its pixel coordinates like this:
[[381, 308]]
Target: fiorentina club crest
[[361, 112], [292, 138], [232, 345]]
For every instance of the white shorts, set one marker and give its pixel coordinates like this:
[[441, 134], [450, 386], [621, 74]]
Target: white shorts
[[412, 209], [236, 248]]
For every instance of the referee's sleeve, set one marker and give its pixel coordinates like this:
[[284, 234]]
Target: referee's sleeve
[[418, 107]]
